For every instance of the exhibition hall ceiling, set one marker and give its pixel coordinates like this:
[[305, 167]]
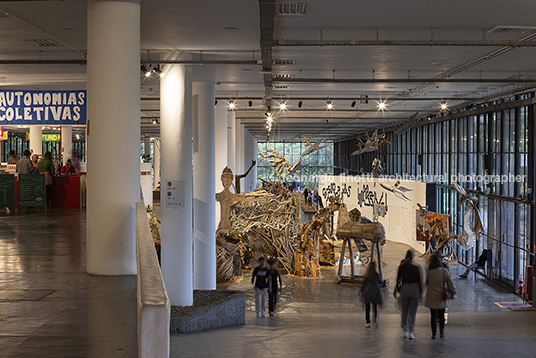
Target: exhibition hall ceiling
[[410, 55]]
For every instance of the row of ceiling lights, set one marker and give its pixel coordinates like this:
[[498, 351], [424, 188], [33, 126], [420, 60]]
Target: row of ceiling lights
[[329, 105]]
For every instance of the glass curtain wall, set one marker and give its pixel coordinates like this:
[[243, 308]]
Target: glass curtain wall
[[496, 140], [318, 163]]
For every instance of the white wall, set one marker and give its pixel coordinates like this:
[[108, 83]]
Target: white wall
[[399, 222]]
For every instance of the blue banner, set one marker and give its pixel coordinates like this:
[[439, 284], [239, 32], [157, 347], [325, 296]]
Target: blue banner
[[41, 108]]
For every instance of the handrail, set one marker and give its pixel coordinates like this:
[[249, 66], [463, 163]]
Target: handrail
[[154, 310]]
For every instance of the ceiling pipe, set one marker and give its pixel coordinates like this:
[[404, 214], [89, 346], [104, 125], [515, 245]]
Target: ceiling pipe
[[480, 43], [404, 80]]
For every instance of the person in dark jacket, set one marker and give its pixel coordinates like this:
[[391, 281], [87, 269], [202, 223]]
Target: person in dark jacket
[[408, 283], [277, 285], [46, 166], [370, 293], [477, 264]]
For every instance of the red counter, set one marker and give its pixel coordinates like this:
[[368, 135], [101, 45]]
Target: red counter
[[68, 192]]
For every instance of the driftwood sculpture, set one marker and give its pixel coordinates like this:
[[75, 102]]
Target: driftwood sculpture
[[276, 161], [307, 262], [227, 241], [348, 231]]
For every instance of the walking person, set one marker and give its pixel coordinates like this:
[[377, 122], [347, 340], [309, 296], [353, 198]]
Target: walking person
[[370, 293], [46, 166], [263, 282], [275, 276], [436, 278], [408, 284]]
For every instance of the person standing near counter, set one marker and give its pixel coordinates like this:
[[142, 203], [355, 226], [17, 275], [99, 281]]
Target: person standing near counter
[[24, 164], [68, 168], [46, 166], [35, 158]]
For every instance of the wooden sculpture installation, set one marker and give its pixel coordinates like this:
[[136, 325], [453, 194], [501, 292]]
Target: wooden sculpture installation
[[227, 241], [348, 231], [307, 256]]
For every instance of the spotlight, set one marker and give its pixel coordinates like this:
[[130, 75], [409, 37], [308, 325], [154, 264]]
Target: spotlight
[[154, 122], [231, 105], [268, 109], [78, 136], [145, 70], [300, 103], [381, 105], [250, 103], [158, 71], [282, 105], [443, 105], [353, 104], [329, 104], [215, 103]]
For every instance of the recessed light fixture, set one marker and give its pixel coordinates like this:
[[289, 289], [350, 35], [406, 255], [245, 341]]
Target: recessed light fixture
[[329, 104]]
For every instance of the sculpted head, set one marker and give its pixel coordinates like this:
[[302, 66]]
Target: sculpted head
[[227, 177]]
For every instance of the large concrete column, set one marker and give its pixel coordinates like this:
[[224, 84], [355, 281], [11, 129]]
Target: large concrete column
[[156, 143], [204, 186], [113, 112], [176, 188], [231, 139], [221, 150], [36, 140], [66, 138]]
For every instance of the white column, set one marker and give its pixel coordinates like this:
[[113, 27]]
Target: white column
[[156, 143], [113, 112], [231, 139], [66, 138], [147, 146], [239, 149], [221, 150], [36, 140], [204, 186], [253, 154], [176, 157]]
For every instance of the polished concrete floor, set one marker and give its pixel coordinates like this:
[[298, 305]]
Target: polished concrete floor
[[49, 307]]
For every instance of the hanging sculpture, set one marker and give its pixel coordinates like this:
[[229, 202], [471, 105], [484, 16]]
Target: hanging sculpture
[[377, 166], [468, 238], [397, 190], [368, 143]]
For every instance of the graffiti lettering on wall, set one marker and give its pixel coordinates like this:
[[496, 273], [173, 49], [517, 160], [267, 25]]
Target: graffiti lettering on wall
[[368, 197], [336, 190]]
